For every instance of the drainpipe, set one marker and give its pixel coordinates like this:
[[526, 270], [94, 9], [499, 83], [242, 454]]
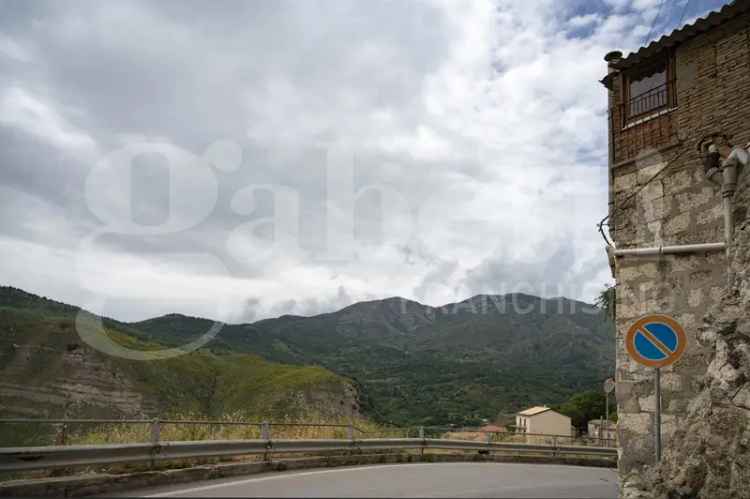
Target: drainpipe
[[728, 170]]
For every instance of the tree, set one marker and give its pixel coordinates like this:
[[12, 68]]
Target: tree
[[606, 301], [583, 407]]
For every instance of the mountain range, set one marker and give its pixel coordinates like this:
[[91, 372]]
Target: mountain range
[[403, 362]]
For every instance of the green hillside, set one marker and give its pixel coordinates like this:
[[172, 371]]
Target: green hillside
[[412, 364], [48, 371], [424, 365]]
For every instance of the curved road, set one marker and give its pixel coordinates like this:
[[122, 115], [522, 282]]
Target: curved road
[[411, 480]]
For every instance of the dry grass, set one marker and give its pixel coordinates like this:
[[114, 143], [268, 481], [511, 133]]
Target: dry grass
[[472, 436], [309, 427]]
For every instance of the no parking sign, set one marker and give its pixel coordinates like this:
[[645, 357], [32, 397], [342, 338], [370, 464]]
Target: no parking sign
[[656, 341]]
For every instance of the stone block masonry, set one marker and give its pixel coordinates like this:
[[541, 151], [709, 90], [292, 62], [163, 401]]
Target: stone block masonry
[[705, 396]]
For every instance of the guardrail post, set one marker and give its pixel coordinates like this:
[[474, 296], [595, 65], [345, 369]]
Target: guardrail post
[[265, 434], [155, 439], [350, 432], [554, 443], [62, 435], [155, 431]]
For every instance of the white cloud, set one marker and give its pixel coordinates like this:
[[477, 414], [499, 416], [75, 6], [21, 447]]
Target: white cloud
[[21, 109], [584, 21], [13, 50], [482, 125]]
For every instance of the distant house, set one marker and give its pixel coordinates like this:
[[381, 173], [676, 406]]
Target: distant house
[[543, 420], [606, 430]]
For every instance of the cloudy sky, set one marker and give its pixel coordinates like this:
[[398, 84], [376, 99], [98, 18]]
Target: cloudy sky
[[240, 160]]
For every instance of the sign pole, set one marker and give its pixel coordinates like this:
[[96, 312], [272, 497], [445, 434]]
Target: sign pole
[[606, 421], [657, 419], [656, 341], [606, 408], [609, 387]]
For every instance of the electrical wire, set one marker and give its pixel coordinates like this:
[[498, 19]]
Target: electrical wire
[[600, 226], [682, 16], [653, 22], [632, 196]]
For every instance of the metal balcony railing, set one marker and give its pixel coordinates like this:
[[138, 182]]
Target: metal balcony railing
[[651, 101]]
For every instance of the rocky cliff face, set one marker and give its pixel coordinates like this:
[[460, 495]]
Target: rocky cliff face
[[81, 383], [46, 371], [709, 455], [55, 375]]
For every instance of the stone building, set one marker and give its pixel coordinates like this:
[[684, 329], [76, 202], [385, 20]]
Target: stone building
[[679, 244]]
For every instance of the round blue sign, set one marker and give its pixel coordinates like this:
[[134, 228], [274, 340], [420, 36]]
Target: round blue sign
[[656, 340]]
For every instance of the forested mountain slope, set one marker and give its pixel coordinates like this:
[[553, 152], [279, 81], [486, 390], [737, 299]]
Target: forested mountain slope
[[418, 364]]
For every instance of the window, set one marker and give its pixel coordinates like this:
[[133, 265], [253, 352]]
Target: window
[[648, 88]]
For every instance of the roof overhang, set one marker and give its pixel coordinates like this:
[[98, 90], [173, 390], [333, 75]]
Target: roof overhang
[[533, 411], [678, 36]]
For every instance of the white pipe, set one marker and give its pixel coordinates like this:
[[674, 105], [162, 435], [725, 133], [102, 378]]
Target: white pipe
[[738, 158], [674, 249]]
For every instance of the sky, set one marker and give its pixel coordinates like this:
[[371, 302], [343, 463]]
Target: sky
[[243, 160]]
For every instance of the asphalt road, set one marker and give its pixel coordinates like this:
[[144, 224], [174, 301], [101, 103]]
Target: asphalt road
[[411, 480]]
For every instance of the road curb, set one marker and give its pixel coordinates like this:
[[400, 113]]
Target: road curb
[[97, 484]]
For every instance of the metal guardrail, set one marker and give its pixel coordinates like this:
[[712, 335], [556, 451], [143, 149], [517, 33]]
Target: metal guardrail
[[505, 436], [154, 426], [13, 459]]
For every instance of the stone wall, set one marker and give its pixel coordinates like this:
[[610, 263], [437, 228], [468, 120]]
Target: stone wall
[[679, 206], [709, 453]]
